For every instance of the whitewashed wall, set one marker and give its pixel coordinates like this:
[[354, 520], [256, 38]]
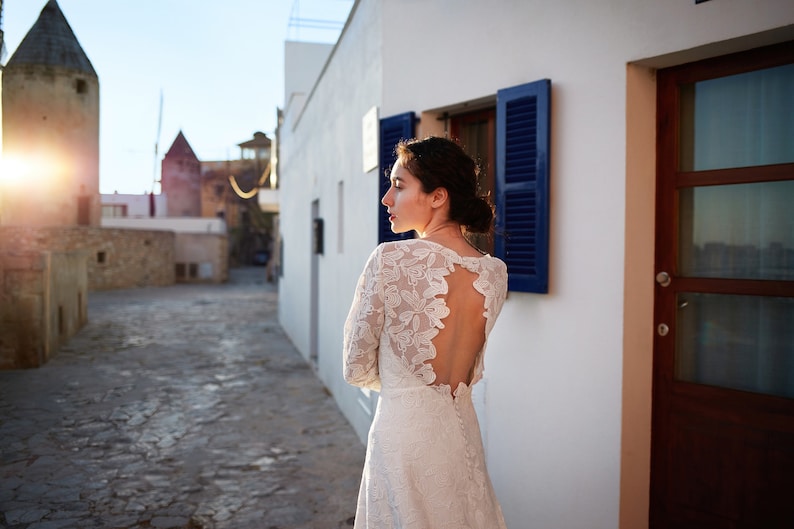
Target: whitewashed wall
[[567, 400], [176, 224], [320, 147], [137, 205]]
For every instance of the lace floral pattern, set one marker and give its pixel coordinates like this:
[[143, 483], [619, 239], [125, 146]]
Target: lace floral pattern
[[425, 465]]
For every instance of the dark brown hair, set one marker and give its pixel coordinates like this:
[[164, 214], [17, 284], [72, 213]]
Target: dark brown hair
[[440, 162]]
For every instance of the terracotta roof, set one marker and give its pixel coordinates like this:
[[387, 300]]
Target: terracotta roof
[[51, 41], [181, 148]]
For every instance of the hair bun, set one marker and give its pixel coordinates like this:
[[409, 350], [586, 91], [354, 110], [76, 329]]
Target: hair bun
[[477, 215]]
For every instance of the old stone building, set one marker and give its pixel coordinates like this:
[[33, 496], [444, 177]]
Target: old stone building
[[52, 248], [226, 189], [51, 128], [181, 179], [230, 188]]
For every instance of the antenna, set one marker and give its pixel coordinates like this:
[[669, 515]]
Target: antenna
[[297, 22], [157, 140]]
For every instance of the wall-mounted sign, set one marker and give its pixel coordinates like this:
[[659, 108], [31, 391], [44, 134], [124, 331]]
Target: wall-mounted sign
[[369, 139]]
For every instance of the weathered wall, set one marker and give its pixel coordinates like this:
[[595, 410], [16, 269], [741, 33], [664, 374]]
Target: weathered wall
[[43, 302], [115, 258], [202, 244], [51, 133], [181, 180], [202, 257]]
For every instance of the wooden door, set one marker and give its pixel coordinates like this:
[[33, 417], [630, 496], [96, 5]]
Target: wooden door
[[723, 396]]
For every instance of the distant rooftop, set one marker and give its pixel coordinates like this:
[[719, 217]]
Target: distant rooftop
[[181, 149], [52, 42], [259, 141]]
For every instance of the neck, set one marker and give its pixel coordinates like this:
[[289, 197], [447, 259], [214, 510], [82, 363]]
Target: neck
[[444, 232]]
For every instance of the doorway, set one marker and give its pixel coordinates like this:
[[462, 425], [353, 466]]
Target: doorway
[[314, 287], [722, 452]]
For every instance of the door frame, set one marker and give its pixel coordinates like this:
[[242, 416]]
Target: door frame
[[314, 289], [639, 284], [685, 398]]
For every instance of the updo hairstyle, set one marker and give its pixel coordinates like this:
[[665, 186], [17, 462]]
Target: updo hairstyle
[[440, 162]]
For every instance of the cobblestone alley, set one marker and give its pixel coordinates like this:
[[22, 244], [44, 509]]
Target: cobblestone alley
[[176, 407]]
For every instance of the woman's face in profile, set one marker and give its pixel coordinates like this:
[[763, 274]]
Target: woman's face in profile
[[407, 204]]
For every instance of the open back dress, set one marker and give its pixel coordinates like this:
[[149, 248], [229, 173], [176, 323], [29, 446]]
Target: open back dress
[[425, 464]]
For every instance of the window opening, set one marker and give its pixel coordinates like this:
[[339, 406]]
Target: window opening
[[476, 132], [84, 211]]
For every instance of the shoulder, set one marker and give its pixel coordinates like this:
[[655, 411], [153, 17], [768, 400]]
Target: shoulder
[[496, 264], [415, 247], [497, 270], [397, 249], [390, 254]]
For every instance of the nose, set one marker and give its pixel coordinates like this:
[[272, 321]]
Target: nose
[[386, 200]]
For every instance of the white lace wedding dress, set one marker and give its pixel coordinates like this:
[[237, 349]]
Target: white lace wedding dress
[[425, 466]]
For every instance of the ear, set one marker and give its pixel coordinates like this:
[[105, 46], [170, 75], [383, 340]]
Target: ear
[[439, 197]]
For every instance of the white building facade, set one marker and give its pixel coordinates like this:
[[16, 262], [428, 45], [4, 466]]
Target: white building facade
[[585, 405]]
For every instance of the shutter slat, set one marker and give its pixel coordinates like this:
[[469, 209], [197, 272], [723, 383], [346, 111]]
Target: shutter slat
[[522, 174]]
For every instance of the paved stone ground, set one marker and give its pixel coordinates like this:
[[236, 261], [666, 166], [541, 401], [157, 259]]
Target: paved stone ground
[[176, 407]]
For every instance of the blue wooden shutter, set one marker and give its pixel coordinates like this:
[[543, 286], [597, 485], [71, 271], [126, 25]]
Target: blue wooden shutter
[[523, 117], [392, 130]]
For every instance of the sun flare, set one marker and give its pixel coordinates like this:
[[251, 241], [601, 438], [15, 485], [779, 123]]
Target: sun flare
[[18, 170], [14, 169]]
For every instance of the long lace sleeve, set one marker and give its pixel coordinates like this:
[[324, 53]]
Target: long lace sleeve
[[363, 327]]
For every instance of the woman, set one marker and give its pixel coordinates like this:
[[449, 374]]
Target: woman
[[416, 332]]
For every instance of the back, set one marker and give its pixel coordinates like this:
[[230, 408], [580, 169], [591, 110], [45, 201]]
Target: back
[[459, 342], [425, 311]]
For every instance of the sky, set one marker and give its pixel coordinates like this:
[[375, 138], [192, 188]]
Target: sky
[[218, 67]]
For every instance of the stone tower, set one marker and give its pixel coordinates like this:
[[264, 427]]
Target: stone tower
[[181, 179], [50, 129]]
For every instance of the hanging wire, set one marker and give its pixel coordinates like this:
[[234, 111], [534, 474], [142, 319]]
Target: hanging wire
[[252, 193]]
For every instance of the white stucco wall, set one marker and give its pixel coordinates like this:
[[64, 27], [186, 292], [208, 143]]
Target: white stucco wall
[[303, 62], [175, 224], [323, 149], [555, 389], [137, 205]]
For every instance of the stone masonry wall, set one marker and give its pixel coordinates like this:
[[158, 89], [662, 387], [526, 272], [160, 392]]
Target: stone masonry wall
[[43, 302], [115, 258], [202, 257]]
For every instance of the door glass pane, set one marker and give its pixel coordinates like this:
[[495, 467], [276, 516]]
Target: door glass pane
[[738, 342], [737, 231], [738, 121]]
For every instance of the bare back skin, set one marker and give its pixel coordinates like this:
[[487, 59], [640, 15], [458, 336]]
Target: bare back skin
[[463, 336]]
